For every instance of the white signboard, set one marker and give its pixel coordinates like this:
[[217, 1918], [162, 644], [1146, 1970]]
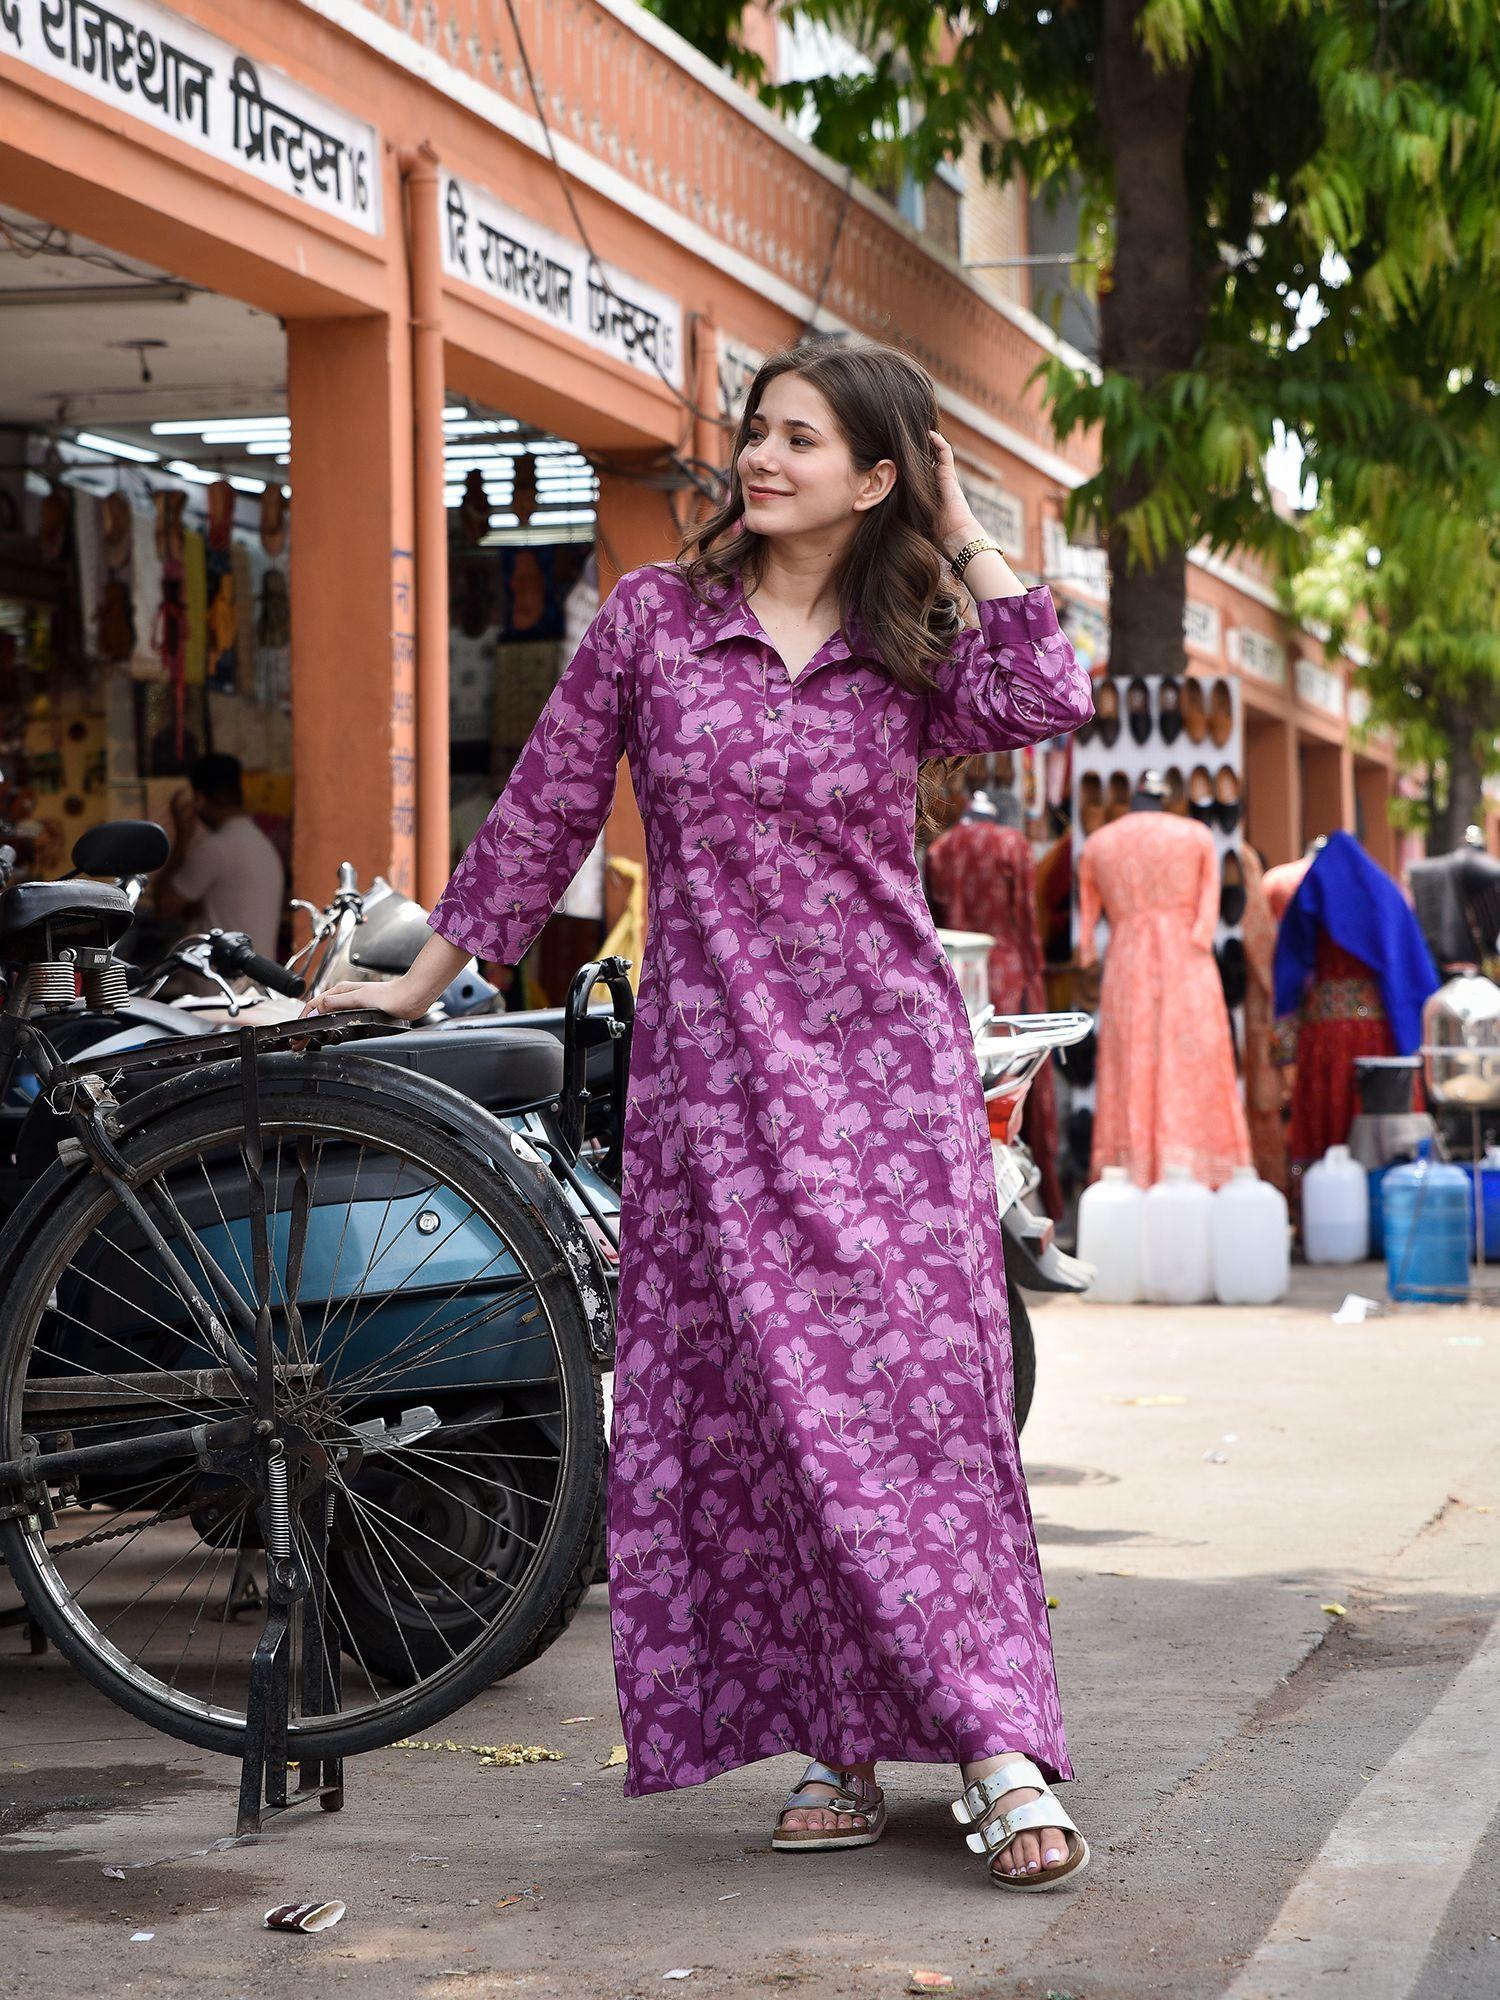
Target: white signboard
[[1319, 686], [1000, 514], [1201, 626], [1072, 562], [160, 68], [1257, 654], [542, 274]]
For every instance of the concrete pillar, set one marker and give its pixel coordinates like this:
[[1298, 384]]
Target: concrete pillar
[[635, 526], [353, 601], [1373, 791], [1327, 789], [1273, 789]]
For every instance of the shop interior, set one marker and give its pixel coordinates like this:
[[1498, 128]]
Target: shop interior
[[146, 517], [523, 584], [144, 534]]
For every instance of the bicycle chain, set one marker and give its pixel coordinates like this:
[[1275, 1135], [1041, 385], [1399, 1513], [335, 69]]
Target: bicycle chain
[[176, 1513]]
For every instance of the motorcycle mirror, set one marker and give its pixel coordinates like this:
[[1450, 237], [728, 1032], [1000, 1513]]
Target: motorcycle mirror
[[121, 847]]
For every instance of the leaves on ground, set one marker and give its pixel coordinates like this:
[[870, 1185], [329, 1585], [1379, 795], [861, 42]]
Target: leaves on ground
[[492, 1755]]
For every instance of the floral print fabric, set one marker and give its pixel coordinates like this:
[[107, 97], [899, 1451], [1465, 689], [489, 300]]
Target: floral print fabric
[[819, 1533], [1165, 1088]]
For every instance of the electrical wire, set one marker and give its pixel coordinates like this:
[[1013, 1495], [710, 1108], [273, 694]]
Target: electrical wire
[[28, 240], [596, 268]]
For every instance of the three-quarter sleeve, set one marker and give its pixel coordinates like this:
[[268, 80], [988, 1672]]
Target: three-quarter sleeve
[[539, 831], [1014, 679]]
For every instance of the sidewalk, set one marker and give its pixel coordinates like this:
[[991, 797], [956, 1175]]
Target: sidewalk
[[1205, 1482]]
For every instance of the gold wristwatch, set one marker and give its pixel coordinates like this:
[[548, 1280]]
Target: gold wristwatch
[[959, 563]]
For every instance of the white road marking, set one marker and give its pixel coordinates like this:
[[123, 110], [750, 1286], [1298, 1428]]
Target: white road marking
[[1363, 1917]]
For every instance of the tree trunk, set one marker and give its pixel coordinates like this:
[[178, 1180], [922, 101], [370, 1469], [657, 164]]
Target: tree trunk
[[1151, 315], [1465, 802]]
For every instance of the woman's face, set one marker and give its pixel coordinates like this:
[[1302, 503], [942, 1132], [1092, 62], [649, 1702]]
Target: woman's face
[[795, 469]]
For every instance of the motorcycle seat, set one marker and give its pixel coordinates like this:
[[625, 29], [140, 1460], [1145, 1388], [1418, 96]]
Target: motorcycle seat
[[77, 908], [497, 1066]]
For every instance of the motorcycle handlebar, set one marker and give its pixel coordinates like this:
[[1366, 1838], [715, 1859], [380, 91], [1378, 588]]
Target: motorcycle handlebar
[[232, 952]]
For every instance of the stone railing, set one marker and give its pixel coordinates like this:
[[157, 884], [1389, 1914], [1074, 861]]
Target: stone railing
[[621, 86]]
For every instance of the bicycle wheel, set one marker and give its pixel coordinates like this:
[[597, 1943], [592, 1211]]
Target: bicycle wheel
[[434, 1336]]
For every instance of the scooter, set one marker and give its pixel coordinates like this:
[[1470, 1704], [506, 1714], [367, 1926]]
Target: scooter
[[1011, 1050]]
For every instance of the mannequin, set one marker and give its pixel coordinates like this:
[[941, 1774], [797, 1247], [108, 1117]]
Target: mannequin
[[1003, 807], [1282, 883], [1165, 1086], [1352, 972], [980, 877], [1457, 900]]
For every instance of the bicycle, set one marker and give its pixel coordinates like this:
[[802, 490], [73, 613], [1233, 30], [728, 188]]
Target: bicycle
[[213, 1402]]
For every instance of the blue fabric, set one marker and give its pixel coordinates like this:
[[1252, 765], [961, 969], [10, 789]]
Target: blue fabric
[[1362, 910]]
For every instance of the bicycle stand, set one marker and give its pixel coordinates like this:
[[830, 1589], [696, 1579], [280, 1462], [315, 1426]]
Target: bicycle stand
[[295, 1600], [296, 1590]]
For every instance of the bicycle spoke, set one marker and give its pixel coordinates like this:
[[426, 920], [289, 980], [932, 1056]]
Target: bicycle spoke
[[439, 1547]]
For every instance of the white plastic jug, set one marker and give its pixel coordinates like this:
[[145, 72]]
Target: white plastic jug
[[1176, 1242], [1111, 1213], [1252, 1248], [1336, 1209]]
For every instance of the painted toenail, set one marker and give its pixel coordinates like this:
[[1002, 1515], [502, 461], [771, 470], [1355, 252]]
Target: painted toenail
[[1054, 1854]]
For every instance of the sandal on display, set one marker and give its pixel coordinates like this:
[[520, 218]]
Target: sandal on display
[[1091, 802], [1227, 799], [1194, 713], [1107, 711], [994, 1831], [1231, 889], [1138, 709], [853, 1793], [1220, 714], [1201, 795], [1169, 710]]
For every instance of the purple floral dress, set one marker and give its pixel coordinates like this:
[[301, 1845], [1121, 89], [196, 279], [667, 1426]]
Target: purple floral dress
[[819, 1533]]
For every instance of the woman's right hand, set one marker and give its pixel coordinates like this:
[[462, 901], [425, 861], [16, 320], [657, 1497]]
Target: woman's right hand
[[395, 997]]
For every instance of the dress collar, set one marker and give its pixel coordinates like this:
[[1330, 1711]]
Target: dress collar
[[731, 617]]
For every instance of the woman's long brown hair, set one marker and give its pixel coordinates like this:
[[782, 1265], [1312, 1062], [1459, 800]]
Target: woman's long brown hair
[[894, 579]]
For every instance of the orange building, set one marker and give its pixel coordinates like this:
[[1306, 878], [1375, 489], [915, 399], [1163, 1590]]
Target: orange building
[[329, 251]]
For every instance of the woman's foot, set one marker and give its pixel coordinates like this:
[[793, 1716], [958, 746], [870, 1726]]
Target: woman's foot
[[1035, 1849], [807, 1817]]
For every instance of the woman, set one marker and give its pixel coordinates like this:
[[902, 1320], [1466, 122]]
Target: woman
[[819, 1532]]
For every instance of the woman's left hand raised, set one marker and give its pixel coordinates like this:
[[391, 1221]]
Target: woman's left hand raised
[[955, 517]]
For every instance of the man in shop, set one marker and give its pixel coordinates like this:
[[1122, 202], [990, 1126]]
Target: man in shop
[[223, 871]]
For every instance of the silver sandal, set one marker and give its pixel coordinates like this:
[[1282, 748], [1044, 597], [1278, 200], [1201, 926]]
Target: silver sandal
[[854, 1793], [995, 1831]]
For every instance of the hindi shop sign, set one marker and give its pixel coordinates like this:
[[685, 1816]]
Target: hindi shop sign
[[541, 273], [160, 68]]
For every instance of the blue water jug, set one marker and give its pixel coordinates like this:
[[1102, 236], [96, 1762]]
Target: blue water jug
[[1488, 1177], [1425, 1212]]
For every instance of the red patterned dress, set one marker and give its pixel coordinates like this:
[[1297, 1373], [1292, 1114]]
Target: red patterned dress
[[1341, 1018], [980, 877]]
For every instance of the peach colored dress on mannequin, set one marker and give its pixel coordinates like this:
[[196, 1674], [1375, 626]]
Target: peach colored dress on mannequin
[[1166, 1091]]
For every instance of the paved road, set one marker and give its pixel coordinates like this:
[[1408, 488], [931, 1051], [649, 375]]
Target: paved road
[[1284, 1804]]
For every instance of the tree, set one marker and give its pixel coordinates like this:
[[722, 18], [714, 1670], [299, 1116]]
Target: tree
[[1228, 158]]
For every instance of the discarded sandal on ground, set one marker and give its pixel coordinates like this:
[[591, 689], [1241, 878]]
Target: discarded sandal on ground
[[854, 1793], [994, 1831]]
